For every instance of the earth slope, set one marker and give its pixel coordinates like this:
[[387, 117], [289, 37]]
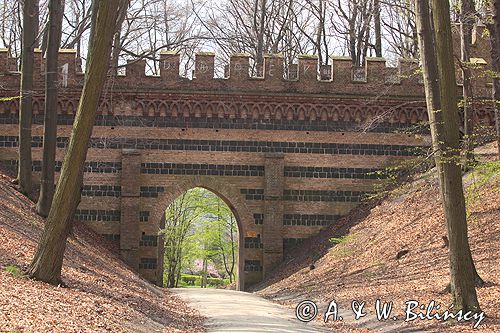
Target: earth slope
[[357, 258], [101, 293]]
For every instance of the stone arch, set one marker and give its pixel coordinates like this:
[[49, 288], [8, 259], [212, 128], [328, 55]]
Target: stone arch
[[227, 192]]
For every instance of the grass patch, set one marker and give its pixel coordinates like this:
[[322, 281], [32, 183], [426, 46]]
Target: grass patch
[[482, 174], [194, 281], [342, 246], [14, 270]]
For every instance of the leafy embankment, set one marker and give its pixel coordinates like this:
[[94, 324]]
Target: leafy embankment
[[358, 258], [102, 294]]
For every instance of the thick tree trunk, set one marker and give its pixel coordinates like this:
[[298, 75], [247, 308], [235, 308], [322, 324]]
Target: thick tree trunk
[[56, 8], [461, 264], [467, 21], [47, 262], [30, 31]]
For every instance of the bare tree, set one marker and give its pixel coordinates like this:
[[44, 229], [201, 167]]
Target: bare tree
[[30, 31], [467, 18], [440, 82], [47, 262], [56, 10], [352, 21], [398, 21]]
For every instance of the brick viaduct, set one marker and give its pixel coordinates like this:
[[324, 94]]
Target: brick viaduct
[[289, 156]]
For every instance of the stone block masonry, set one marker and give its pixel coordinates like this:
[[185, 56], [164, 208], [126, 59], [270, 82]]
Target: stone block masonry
[[289, 155]]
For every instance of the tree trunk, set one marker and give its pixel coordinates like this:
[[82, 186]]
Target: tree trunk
[[115, 57], [205, 273], [259, 57], [29, 34], [466, 18], [461, 264], [56, 9], [494, 30], [378, 28], [47, 262]]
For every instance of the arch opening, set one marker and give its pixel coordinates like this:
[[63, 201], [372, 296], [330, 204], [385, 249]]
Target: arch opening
[[229, 205]]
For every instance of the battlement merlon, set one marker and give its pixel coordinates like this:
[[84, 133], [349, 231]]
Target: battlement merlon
[[306, 76]]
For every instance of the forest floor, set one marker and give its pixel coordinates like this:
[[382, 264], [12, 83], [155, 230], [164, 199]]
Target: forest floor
[[357, 258], [101, 295]]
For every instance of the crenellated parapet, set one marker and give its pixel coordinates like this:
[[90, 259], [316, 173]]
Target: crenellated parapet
[[305, 76]]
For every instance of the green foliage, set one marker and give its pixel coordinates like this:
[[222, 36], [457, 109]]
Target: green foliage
[[194, 281], [199, 226], [401, 173], [343, 239], [14, 270], [481, 175], [7, 99], [342, 246]]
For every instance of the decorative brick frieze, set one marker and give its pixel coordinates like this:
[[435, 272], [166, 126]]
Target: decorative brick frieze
[[101, 191], [326, 172], [151, 191], [328, 196], [253, 266], [309, 220], [97, 215], [252, 193], [202, 169]]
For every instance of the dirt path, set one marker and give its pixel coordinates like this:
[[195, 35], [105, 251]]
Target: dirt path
[[234, 311]]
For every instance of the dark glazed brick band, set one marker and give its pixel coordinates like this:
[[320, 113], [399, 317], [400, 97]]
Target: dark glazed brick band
[[258, 218], [228, 123], [321, 195], [252, 194], [149, 241], [151, 191], [144, 216], [234, 146], [325, 172], [309, 220], [148, 263], [253, 266], [101, 191], [202, 169], [97, 215], [93, 167]]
